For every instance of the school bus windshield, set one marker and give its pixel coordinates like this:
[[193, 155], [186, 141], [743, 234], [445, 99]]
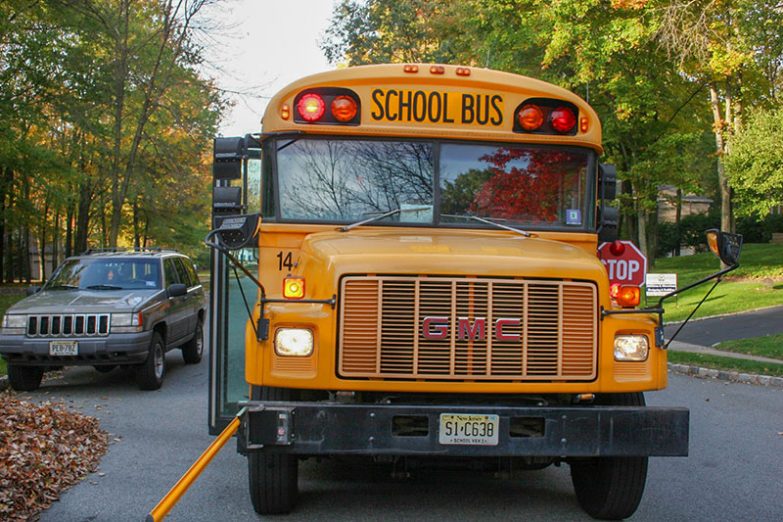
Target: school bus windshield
[[432, 183]]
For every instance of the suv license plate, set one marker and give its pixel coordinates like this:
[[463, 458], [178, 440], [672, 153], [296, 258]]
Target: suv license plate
[[63, 348], [467, 429]]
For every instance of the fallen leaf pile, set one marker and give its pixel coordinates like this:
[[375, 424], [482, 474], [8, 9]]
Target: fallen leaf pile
[[43, 450]]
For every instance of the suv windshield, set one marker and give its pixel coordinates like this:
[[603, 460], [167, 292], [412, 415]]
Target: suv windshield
[[113, 273], [338, 181]]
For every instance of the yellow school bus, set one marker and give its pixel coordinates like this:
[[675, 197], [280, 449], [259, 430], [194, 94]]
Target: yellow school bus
[[405, 269]]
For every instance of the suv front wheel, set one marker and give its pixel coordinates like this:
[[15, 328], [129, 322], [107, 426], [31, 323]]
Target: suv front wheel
[[25, 378], [150, 374]]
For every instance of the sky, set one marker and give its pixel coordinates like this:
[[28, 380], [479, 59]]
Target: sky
[[262, 46]]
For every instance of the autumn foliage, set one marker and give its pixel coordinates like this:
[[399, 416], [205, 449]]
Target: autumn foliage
[[43, 450]]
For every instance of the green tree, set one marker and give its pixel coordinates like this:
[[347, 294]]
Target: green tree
[[755, 165]]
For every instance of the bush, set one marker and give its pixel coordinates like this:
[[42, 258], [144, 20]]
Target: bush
[[753, 230], [668, 239], [692, 229]]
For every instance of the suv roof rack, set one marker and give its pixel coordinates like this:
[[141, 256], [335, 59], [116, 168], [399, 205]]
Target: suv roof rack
[[116, 250]]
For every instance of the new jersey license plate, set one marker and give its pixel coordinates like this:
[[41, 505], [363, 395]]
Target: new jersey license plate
[[468, 429], [63, 348]]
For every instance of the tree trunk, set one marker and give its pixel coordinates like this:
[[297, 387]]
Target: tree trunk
[[677, 219], [5, 186], [642, 223], [69, 228], [120, 77], [726, 214], [83, 216], [42, 239]]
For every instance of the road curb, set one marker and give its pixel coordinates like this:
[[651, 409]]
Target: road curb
[[724, 375]]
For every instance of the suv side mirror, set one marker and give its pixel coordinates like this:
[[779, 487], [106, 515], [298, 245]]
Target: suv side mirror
[[725, 245], [177, 290], [31, 290]]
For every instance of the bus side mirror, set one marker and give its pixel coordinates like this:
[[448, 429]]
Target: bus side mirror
[[226, 200], [235, 232], [609, 222], [607, 181], [228, 154], [725, 245]]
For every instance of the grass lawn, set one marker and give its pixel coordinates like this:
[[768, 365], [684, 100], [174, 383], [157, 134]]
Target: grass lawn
[[724, 363], [5, 302], [757, 283], [767, 346]]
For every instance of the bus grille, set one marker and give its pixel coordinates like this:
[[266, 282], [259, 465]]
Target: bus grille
[[68, 325], [435, 328]]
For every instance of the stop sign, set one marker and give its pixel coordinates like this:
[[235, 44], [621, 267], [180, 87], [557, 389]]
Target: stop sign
[[624, 263]]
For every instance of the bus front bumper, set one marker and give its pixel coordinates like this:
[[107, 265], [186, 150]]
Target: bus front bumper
[[326, 428]]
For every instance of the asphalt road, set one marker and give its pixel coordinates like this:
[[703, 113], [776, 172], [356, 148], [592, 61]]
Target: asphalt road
[[734, 471], [707, 332]]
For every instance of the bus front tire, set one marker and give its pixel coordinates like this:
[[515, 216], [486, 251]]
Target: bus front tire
[[273, 477], [611, 488]]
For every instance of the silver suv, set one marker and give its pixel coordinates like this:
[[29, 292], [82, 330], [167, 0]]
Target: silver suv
[[106, 309]]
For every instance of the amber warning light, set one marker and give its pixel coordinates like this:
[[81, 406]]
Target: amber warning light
[[293, 287]]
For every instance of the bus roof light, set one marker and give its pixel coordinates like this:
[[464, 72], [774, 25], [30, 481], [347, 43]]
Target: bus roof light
[[463, 71], [437, 69], [410, 68], [563, 119], [344, 108], [584, 124], [285, 111], [530, 117], [311, 107]]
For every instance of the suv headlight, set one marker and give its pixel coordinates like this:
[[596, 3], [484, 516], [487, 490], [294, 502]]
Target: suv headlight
[[14, 324], [126, 323], [631, 348], [296, 342]]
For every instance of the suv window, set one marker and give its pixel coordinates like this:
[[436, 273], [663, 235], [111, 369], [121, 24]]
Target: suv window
[[187, 264], [107, 273], [184, 275], [170, 269]]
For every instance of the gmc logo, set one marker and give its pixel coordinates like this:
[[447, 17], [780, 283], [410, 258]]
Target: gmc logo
[[437, 328]]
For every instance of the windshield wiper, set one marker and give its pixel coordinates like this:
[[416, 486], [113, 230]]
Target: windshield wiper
[[104, 287], [346, 228], [66, 287], [489, 222]]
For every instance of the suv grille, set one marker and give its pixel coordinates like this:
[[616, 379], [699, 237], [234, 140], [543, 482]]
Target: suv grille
[[68, 325], [438, 328]]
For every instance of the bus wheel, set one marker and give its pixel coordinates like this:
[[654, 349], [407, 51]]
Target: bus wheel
[[611, 488], [273, 477]]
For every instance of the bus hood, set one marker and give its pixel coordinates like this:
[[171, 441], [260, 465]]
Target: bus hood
[[448, 252]]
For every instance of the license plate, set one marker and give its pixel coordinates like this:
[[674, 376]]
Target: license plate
[[467, 429], [63, 348]]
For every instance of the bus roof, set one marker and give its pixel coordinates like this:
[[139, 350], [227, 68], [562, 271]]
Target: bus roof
[[434, 101]]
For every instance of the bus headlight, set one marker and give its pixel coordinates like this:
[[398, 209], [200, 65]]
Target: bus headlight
[[296, 342], [631, 348]]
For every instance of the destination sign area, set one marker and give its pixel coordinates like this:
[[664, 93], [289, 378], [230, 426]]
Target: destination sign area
[[448, 108]]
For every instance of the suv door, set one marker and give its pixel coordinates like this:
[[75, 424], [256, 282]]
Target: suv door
[[177, 316], [195, 297]]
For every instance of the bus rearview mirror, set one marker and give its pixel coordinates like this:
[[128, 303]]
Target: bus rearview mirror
[[725, 245], [235, 232]]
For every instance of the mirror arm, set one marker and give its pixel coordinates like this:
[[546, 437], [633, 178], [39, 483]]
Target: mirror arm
[[659, 311], [717, 275], [236, 262]]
